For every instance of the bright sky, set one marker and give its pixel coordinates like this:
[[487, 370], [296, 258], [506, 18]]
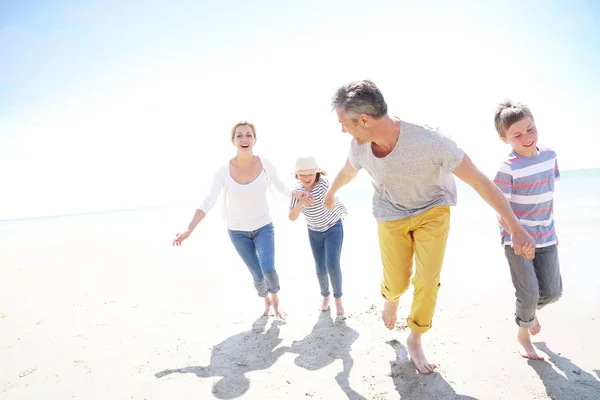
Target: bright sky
[[117, 104]]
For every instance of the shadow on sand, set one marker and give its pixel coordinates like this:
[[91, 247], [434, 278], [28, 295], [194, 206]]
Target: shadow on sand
[[574, 384], [328, 341], [237, 355], [412, 385]]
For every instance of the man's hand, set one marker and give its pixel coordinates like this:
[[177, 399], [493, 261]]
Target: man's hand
[[329, 201], [523, 244]]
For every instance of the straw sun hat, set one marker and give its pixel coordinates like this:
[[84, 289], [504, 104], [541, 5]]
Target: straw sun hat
[[307, 166]]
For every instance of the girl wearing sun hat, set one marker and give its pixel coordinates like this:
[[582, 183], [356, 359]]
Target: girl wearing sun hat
[[325, 229]]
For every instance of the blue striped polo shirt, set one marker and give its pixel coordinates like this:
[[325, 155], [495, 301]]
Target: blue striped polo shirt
[[528, 184], [319, 218]]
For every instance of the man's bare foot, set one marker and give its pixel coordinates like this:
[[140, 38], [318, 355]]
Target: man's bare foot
[[415, 351], [339, 307], [279, 313], [536, 328], [527, 350], [325, 304], [268, 312], [390, 314]]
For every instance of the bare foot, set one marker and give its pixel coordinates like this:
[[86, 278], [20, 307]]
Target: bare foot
[[390, 314], [415, 351], [268, 312], [536, 328], [279, 313], [527, 350], [339, 307], [325, 304]]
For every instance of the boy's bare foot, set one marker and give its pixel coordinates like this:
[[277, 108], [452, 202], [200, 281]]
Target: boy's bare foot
[[279, 313], [536, 328], [415, 351], [527, 350], [338, 306], [325, 304], [268, 312], [390, 314]]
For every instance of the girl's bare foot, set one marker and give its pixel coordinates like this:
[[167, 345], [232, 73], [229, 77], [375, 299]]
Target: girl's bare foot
[[390, 314], [325, 304], [536, 328], [415, 351], [527, 350], [268, 311], [279, 313], [338, 306]]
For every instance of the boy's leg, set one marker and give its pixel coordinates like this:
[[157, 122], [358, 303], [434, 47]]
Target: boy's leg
[[396, 247], [547, 270], [244, 245], [522, 272], [525, 281], [317, 245]]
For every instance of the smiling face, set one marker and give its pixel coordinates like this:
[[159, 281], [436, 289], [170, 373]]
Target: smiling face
[[522, 137], [307, 181], [356, 129], [244, 139]]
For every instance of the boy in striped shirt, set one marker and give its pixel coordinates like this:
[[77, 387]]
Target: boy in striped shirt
[[527, 179]]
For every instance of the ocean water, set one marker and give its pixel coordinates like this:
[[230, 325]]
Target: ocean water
[[577, 200]]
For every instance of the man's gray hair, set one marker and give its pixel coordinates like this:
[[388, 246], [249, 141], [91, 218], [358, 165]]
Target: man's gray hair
[[359, 97]]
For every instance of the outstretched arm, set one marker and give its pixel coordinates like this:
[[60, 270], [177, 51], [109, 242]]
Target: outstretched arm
[[204, 207], [522, 243], [346, 174]]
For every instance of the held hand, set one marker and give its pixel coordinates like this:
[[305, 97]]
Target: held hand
[[329, 201], [180, 237], [523, 244]]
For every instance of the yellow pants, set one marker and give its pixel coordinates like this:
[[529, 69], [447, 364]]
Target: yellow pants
[[423, 236]]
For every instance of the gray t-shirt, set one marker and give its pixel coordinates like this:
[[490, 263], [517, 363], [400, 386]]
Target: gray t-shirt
[[414, 177]]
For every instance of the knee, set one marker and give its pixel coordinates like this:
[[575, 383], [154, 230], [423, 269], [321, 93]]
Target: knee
[[528, 301]]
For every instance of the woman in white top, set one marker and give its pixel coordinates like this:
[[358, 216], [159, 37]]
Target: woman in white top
[[245, 180]]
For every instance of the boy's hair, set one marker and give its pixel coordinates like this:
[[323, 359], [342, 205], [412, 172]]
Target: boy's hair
[[316, 179], [507, 113]]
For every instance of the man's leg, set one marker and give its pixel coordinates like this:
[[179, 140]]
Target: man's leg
[[396, 247], [430, 234]]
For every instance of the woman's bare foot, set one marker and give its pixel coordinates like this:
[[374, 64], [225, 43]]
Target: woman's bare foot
[[325, 304], [390, 314], [415, 351], [339, 307], [279, 313], [527, 350], [536, 328], [268, 312]]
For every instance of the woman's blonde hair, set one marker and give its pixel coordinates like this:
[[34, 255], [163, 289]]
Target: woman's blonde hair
[[242, 123]]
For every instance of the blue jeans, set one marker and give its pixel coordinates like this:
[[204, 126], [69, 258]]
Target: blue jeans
[[257, 250], [327, 249]]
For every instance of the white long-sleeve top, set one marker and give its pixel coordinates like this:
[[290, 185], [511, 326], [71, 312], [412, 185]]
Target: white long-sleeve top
[[245, 206]]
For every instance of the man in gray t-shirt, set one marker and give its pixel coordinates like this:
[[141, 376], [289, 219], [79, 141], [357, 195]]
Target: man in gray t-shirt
[[412, 169]]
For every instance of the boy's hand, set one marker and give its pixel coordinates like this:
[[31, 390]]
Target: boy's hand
[[523, 244]]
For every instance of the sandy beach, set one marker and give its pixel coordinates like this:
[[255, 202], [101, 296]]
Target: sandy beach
[[101, 306]]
